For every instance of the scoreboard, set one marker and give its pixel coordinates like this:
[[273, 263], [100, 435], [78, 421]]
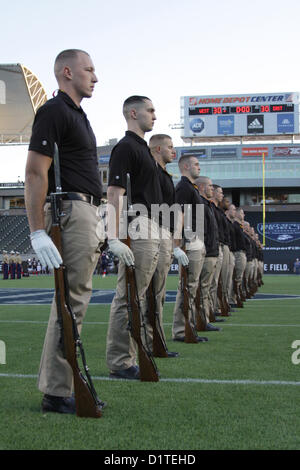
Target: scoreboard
[[240, 115]]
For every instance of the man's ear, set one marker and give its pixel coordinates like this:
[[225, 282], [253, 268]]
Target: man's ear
[[67, 72], [133, 113]]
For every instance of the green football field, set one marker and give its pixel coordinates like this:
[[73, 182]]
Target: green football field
[[240, 390]]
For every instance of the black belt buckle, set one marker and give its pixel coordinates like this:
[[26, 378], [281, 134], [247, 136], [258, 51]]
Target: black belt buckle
[[89, 198]]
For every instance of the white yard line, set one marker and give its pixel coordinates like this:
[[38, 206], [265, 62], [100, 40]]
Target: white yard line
[[180, 380]]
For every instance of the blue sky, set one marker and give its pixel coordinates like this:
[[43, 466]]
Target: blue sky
[[161, 48]]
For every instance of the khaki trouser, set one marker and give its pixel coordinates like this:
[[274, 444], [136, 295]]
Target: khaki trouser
[[240, 265], [230, 276], [196, 260], [249, 269], [206, 277], [260, 267], [225, 270], [213, 291], [120, 347], [82, 236], [159, 282]]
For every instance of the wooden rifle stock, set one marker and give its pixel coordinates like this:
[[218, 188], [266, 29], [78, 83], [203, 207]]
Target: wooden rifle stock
[[190, 335], [159, 346], [200, 321], [148, 369], [87, 403], [222, 300]]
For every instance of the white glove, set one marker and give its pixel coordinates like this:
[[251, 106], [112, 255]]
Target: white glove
[[45, 249], [181, 256], [122, 251]]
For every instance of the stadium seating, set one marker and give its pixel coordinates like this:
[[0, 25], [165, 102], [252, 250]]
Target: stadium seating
[[14, 233]]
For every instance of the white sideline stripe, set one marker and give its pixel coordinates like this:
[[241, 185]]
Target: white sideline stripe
[[287, 297], [179, 380]]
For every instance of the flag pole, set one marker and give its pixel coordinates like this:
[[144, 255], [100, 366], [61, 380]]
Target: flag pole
[[264, 198]]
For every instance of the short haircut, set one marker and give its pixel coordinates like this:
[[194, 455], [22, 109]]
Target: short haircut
[[185, 158], [65, 56], [202, 180], [216, 186], [131, 102], [157, 139]]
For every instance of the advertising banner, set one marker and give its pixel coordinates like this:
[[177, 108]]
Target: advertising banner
[[282, 235], [255, 151], [286, 151]]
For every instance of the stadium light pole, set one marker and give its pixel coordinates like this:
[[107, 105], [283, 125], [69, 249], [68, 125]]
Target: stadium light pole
[[264, 197]]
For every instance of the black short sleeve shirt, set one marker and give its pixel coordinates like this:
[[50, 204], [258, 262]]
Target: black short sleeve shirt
[[211, 232], [60, 120], [187, 193], [219, 219], [168, 195], [232, 245], [132, 155], [239, 237], [167, 186], [248, 247]]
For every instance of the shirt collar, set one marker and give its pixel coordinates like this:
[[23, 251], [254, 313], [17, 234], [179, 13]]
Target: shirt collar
[[186, 179], [136, 137], [67, 99]]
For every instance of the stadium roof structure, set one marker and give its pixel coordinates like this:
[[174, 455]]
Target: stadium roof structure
[[21, 94]]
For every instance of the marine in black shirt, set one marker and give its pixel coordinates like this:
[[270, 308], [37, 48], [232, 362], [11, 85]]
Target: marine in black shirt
[[187, 195], [61, 120], [211, 240], [163, 151], [132, 155]]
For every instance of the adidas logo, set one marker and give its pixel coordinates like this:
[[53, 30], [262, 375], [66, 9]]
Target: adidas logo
[[255, 124]]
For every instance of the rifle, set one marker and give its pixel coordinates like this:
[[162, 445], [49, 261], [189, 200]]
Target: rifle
[[148, 369], [200, 317], [222, 300], [159, 345], [88, 405]]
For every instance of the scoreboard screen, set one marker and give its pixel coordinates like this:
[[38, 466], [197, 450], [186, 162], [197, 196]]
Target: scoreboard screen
[[283, 108], [240, 115]]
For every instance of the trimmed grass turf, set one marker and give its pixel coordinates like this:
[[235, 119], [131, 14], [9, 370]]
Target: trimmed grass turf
[[165, 415]]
